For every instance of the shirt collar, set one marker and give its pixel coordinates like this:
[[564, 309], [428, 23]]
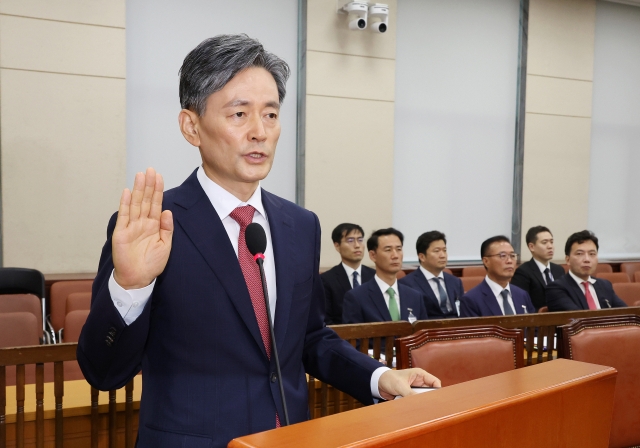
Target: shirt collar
[[384, 286], [223, 201], [429, 275], [579, 281], [350, 271], [495, 288], [541, 266]]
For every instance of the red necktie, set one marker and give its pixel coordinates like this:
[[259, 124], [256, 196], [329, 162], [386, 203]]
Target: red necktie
[[587, 293], [251, 272]]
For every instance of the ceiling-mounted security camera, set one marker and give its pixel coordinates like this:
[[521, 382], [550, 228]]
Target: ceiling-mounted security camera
[[379, 16], [357, 12]]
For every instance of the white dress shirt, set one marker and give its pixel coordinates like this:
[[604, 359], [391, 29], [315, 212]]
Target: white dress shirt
[[349, 270], [434, 285], [131, 302], [542, 268], [591, 288], [497, 290], [384, 287]]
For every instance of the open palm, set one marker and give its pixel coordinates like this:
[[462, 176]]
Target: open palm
[[141, 241]]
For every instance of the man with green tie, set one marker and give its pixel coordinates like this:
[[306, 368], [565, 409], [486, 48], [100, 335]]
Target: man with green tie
[[383, 299]]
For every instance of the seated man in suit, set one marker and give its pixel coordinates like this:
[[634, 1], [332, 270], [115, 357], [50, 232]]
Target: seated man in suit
[[577, 290], [382, 299], [348, 239], [534, 275], [442, 291], [495, 296]]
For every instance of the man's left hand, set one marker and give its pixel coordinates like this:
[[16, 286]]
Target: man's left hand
[[399, 382]]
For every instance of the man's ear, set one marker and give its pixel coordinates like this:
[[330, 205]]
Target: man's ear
[[337, 246], [188, 121], [422, 258], [530, 246], [566, 259], [372, 255]]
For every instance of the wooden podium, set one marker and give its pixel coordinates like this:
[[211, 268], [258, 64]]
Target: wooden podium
[[559, 403]]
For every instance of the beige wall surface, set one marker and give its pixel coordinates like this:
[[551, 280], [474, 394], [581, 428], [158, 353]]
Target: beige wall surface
[[349, 123], [62, 126], [557, 139]]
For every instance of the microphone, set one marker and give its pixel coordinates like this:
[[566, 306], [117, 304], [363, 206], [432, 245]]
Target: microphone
[[256, 240]]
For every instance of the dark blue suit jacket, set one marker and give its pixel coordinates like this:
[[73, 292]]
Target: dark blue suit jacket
[[366, 304], [564, 294], [336, 285], [480, 301], [416, 280], [206, 373]]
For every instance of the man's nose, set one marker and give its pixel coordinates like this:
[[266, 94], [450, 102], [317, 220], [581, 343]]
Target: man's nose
[[257, 131]]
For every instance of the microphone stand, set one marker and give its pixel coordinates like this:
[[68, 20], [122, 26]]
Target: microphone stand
[[260, 260]]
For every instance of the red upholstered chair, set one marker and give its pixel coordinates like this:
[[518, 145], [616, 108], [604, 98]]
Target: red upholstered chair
[[456, 355], [470, 282], [78, 301], [603, 267], [630, 269], [614, 277], [612, 341], [73, 323], [565, 267], [628, 292], [401, 274], [636, 277], [16, 303], [19, 329], [474, 271], [58, 296], [448, 271]]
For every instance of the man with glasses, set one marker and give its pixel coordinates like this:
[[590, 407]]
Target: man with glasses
[[348, 239], [577, 290], [495, 296]]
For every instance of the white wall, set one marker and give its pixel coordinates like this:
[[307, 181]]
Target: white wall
[[614, 214], [456, 81], [159, 36]]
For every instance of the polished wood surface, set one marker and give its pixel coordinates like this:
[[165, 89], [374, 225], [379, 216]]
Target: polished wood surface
[[572, 401]]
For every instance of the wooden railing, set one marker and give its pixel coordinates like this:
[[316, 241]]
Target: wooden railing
[[56, 354]]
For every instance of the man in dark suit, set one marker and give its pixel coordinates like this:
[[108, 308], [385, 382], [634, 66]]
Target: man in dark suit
[[495, 296], [441, 291], [383, 299], [577, 290], [179, 295], [348, 239], [534, 275]]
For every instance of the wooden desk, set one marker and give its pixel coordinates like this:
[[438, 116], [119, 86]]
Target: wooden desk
[[559, 403]]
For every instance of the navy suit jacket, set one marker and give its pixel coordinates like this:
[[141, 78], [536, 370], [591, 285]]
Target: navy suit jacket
[[207, 378], [366, 304], [564, 294], [529, 278], [480, 301], [336, 285], [416, 280]]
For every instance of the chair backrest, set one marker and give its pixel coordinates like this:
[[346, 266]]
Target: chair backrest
[[448, 271], [470, 282], [27, 303], [73, 323], [614, 277], [78, 301], [604, 267], [401, 274], [21, 281], [630, 269], [474, 271], [612, 341], [636, 277], [565, 266], [628, 292], [59, 293], [460, 354], [18, 330]]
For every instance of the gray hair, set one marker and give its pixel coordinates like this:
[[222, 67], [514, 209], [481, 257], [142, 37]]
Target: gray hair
[[212, 64]]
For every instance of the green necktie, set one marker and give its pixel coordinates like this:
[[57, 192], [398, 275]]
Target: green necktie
[[393, 305]]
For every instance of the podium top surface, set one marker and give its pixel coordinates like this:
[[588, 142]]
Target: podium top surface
[[376, 425]]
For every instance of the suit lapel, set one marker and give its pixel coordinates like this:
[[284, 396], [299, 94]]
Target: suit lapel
[[576, 293], [282, 230], [378, 300], [425, 287], [451, 289], [343, 279], [204, 228], [490, 299], [602, 295], [536, 273]]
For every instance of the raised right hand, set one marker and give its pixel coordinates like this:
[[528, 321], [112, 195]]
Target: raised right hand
[[141, 241]]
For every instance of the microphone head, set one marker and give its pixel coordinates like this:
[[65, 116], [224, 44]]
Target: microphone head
[[256, 238]]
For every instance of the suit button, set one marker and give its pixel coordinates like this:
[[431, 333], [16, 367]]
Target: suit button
[[274, 377], [109, 342]]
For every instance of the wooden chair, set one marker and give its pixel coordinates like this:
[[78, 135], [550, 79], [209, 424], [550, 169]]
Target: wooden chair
[[628, 292], [474, 271], [614, 277], [25, 281], [460, 354], [470, 282], [630, 269], [612, 341]]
